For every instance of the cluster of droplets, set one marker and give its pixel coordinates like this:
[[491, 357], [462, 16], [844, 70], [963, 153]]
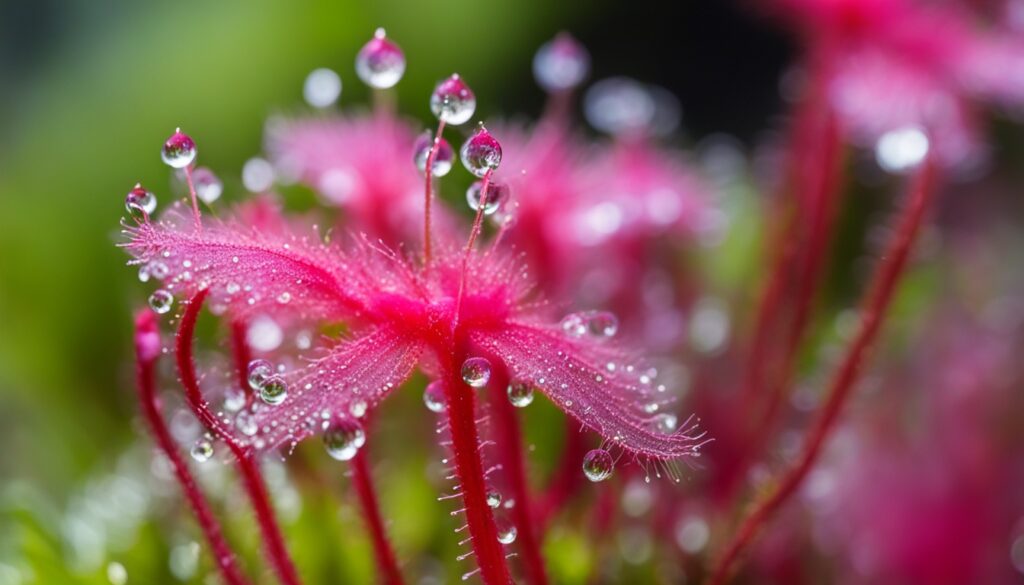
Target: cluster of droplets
[[596, 325], [267, 383]]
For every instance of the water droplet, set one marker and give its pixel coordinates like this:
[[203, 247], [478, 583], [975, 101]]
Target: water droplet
[[380, 63], [234, 399], [598, 465], [619, 105], [358, 408], [117, 574], [476, 372], [202, 449], [284, 298], [208, 185], [343, 438], [246, 423], [493, 498], [444, 158], [453, 101], [594, 324], [664, 423], [179, 151], [264, 334], [140, 203], [258, 372], [322, 88], [899, 151], [481, 152], [433, 396], [506, 530], [561, 64], [160, 301], [158, 270], [520, 394], [257, 175], [497, 195], [274, 390]]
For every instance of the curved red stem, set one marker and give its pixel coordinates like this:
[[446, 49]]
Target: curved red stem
[[875, 304], [241, 354], [362, 480], [248, 468], [147, 349]]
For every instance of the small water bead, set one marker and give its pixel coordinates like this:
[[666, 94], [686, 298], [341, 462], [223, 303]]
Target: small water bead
[[561, 64], [598, 465], [619, 105], [258, 175], [433, 396], [179, 150], [274, 390], [160, 301], [343, 438], [476, 372], [444, 158], [520, 394], [258, 372], [481, 152], [453, 101], [202, 449], [158, 270], [594, 324], [139, 202], [664, 423], [493, 498], [208, 185], [497, 195], [380, 63], [358, 408], [506, 530], [900, 150], [322, 88], [246, 423], [234, 399]]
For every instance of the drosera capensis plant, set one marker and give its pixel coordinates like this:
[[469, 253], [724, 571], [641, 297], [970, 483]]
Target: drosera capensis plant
[[467, 315]]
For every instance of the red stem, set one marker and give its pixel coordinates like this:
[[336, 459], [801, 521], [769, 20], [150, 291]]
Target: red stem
[[248, 467], [510, 443], [362, 479], [461, 399], [241, 353], [875, 304], [427, 246], [147, 349]]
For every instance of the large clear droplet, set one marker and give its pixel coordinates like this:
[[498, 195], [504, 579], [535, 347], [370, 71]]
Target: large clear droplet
[[258, 372], [497, 195], [598, 465], [481, 152], [202, 449], [594, 324], [493, 498], [179, 150], [160, 301], [274, 390], [322, 88], [343, 438], [476, 372], [453, 101], [561, 64], [140, 203], [444, 158], [506, 530], [520, 394], [433, 396], [208, 185], [380, 63]]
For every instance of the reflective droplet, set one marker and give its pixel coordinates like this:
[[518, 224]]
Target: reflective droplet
[[561, 64], [493, 498], [497, 195], [264, 334], [258, 372], [208, 186], [257, 175], [594, 324], [322, 88], [274, 390], [358, 408], [619, 105], [380, 63], [506, 530], [160, 301], [476, 372], [444, 158], [202, 449], [598, 465], [343, 438], [481, 152], [520, 394], [140, 203], [453, 101], [179, 150], [246, 423], [664, 423], [158, 270], [433, 396], [234, 399], [899, 151]]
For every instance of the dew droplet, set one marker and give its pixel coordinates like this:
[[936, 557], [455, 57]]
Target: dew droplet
[[246, 423], [202, 449], [493, 498], [234, 399], [664, 423], [598, 465], [433, 396], [116, 573], [560, 64], [497, 195], [208, 185], [274, 390], [900, 150], [140, 203], [476, 372], [594, 324], [343, 438], [258, 372], [158, 270], [520, 394], [322, 88], [160, 301], [358, 408], [506, 530], [264, 334], [453, 101], [481, 152], [179, 150], [257, 175], [619, 105], [444, 158], [380, 63]]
